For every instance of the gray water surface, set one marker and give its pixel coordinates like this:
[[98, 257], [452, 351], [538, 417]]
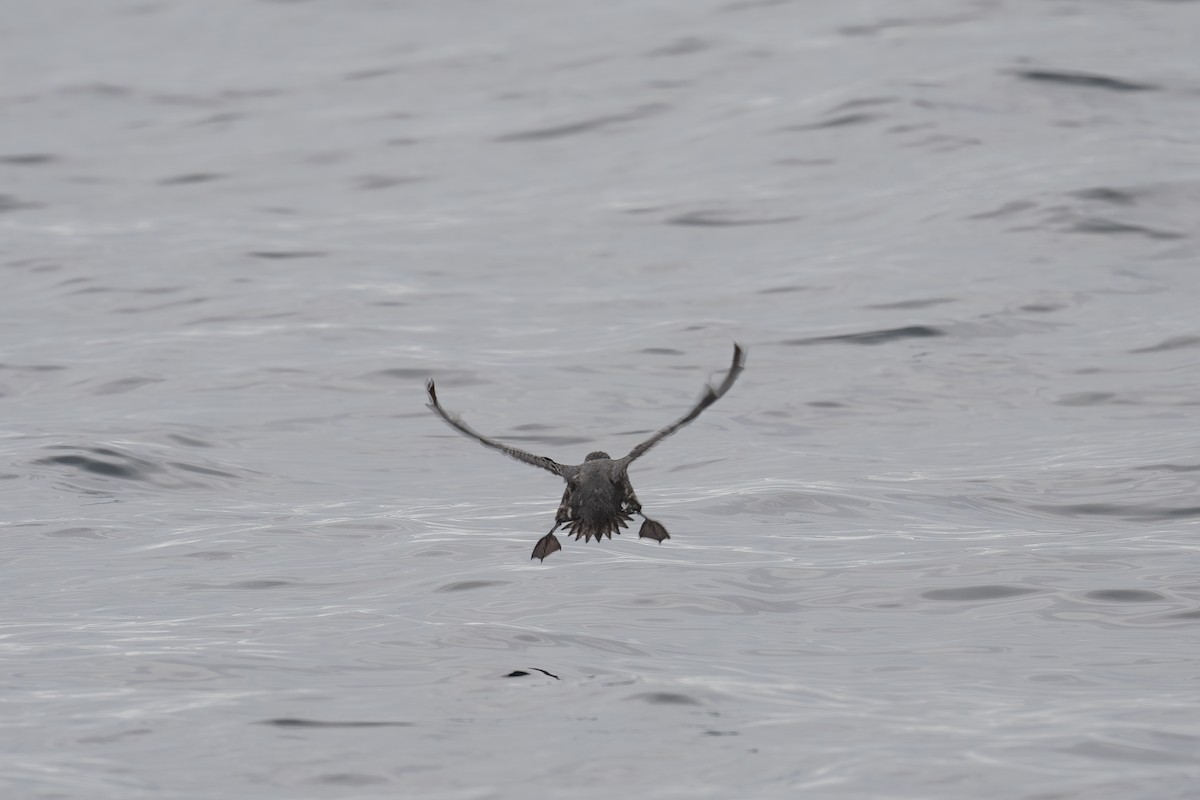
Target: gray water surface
[[940, 540]]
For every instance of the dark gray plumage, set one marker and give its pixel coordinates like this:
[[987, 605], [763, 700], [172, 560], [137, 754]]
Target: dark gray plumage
[[599, 499]]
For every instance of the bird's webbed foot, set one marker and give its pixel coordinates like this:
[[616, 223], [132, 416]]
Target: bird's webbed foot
[[653, 530], [546, 545]]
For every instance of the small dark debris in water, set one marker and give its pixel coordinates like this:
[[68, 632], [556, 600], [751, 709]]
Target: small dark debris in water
[[1084, 79], [1124, 596], [1042, 308], [721, 733], [667, 699], [296, 722], [282, 254], [873, 337], [662, 351], [520, 673]]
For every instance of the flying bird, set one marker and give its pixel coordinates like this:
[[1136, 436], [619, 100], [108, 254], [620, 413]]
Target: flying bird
[[599, 499]]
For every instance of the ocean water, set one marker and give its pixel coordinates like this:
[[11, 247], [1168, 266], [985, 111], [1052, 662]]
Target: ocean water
[[939, 541]]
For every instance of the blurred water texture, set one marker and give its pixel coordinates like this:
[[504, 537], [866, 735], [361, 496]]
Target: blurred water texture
[[938, 542]]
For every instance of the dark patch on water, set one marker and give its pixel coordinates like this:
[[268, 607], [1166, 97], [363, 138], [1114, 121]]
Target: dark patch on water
[[681, 47], [839, 121], [1171, 467], [77, 533], [1088, 399], [661, 351], [124, 385], [1107, 752], [190, 178], [1144, 513], [32, 367], [114, 737], [1099, 225], [124, 466], [1086, 80], [199, 470], [721, 733], [1124, 596], [1005, 210], [873, 337], [1106, 194], [1042, 308], [784, 289], [285, 254], [463, 586], [297, 722], [220, 119], [262, 583], [372, 73], [971, 594], [666, 699], [911, 304], [187, 440], [724, 219], [372, 183], [28, 159], [584, 126], [10, 203], [1174, 343], [1193, 614], [212, 555]]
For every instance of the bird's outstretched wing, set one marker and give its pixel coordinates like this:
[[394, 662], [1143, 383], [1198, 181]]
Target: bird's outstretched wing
[[511, 452], [711, 395]]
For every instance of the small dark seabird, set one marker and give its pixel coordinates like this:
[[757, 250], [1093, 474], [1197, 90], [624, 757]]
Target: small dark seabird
[[599, 498]]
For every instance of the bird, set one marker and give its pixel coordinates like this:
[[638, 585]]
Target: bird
[[599, 499]]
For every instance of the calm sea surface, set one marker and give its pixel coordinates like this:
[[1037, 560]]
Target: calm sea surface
[[942, 539]]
